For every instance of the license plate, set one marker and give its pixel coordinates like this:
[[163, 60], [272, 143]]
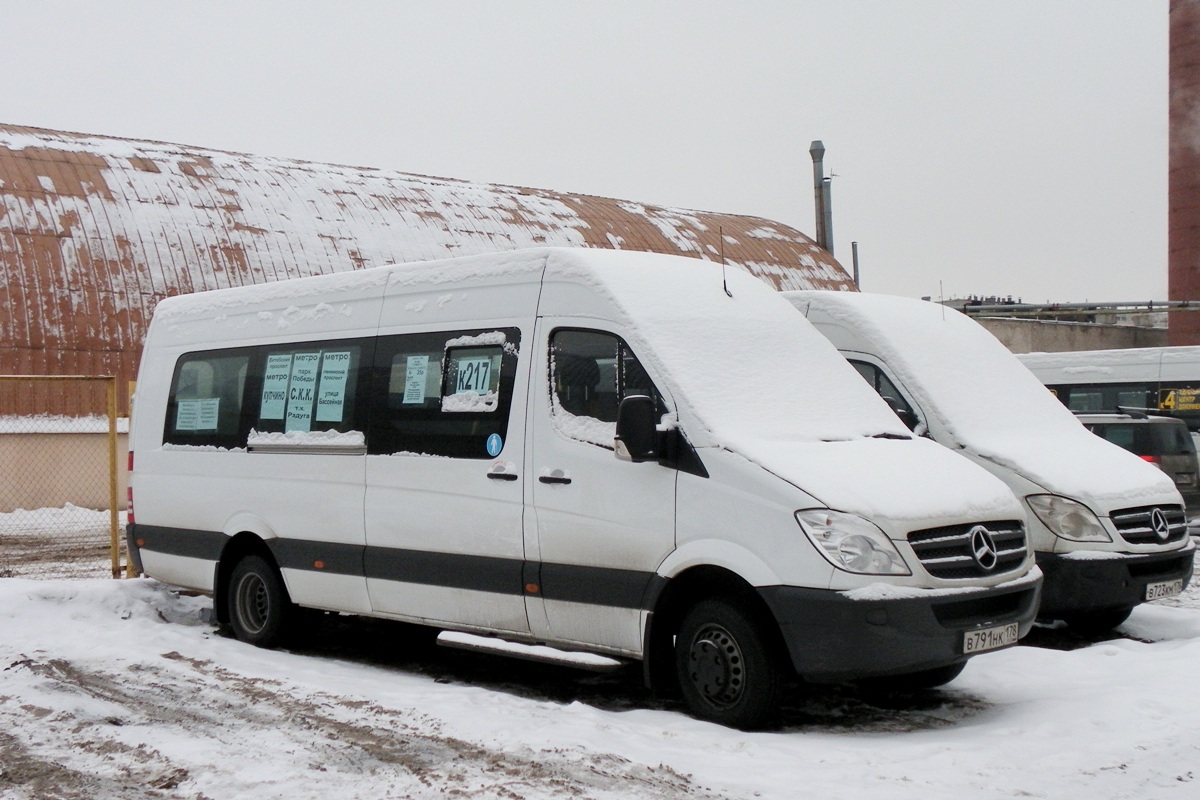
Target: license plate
[[990, 638], [1157, 591]]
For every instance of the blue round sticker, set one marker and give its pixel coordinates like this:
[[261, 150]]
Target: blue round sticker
[[495, 444]]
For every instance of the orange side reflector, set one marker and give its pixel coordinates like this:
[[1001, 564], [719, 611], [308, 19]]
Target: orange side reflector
[[532, 588], [319, 564]]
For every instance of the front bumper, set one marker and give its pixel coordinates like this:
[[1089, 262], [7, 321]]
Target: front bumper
[[1075, 585], [832, 637]]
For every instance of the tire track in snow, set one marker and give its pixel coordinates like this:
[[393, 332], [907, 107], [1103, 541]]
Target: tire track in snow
[[140, 733]]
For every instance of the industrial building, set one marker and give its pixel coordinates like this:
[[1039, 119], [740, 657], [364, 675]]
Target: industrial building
[[95, 230]]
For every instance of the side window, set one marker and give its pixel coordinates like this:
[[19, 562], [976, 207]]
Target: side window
[[206, 402], [444, 394], [1120, 435], [590, 373], [1085, 400], [882, 384], [307, 387]]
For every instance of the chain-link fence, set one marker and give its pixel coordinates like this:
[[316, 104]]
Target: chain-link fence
[[61, 478]]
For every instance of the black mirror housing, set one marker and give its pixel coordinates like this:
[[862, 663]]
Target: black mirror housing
[[637, 436]]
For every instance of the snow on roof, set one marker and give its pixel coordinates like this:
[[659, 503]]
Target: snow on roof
[[1103, 366], [741, 358], [94, 231]]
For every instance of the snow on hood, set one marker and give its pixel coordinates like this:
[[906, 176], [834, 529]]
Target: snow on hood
[[766, 385], [913, 483], [985, 399]]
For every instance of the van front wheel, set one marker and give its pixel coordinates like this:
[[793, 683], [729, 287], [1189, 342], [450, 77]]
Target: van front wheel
[[259, 607], [726, 666]]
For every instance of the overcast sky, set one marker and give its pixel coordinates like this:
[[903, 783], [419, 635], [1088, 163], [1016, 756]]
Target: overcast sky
[[1004, 147]]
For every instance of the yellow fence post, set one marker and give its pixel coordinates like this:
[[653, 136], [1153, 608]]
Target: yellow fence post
[[113, 517]]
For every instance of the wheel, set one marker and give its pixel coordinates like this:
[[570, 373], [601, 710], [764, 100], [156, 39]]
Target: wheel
[[913, 681], [727, 667], [259, 608], [1100, 621]]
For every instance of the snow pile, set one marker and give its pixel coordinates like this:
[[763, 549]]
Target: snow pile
[[470, 402], [65, 521], [307, 438], [58, 423]]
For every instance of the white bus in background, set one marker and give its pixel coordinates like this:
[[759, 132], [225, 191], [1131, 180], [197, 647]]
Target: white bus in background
[[621, 453], [1109, 529], [1155, 379]]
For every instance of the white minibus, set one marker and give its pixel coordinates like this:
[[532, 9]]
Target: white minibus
[[619, 453], [1108, 528], [1162, 380]]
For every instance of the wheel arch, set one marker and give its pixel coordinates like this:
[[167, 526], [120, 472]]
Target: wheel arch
[[681, 592], [239, 545]]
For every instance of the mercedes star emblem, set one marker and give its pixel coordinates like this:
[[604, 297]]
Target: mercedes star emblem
[[1158, 521], [983, 548]]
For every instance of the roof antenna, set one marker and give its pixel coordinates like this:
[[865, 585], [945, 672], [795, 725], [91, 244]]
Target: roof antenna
[[721, 243]]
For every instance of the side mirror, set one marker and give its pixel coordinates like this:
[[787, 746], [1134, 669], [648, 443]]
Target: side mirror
[[637, 437]]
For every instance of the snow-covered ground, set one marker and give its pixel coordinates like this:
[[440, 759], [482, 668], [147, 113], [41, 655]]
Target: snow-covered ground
[[67, 542], [120, 689]]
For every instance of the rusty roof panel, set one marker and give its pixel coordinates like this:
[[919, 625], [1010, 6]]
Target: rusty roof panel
[[95, 230]]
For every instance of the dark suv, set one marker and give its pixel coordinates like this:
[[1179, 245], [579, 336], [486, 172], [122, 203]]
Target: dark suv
[[1163, 441]]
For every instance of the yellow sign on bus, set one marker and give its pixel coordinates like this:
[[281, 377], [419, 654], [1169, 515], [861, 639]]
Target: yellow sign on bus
[[1179, 399]]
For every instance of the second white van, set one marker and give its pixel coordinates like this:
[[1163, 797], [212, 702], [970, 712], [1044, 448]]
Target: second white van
[[1109, 529]]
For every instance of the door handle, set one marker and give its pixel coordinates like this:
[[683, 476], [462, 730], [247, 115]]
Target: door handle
[[502, 476], [554, 479]]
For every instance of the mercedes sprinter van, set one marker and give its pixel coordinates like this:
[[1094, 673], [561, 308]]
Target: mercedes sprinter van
[[1109, 529], [613, 452]]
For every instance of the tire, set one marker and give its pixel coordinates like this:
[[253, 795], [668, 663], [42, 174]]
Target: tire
[[727, 666], [913, 681], [1102, 621], [260, 610]]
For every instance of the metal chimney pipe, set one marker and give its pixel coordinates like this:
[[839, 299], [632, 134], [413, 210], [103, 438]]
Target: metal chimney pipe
[[817, 151], [822, 196]]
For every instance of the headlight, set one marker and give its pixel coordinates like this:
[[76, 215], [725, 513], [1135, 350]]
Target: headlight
[[851, 543], [1067, 518]]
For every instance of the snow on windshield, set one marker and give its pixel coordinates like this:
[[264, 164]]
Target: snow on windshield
[[747, 365], [962, 376]]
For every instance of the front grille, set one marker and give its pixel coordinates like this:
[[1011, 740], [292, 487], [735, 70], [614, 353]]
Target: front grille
[[1134, 524], [947, 552]]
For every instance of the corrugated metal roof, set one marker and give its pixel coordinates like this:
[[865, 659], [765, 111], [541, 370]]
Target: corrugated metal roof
[[94, 231]]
